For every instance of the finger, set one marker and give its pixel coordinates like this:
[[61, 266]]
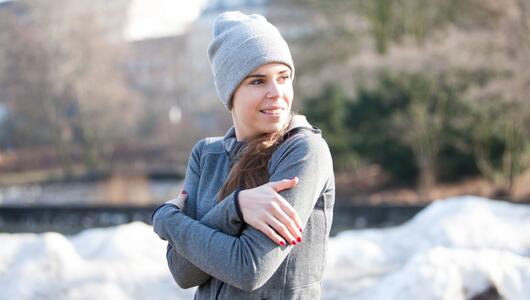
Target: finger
[[180, 200], [288, 222], [284, 184], [281, 230], [289, 210], [271, 234]]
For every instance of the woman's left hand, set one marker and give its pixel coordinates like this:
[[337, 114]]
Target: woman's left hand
[[180, 201], [266, 210]]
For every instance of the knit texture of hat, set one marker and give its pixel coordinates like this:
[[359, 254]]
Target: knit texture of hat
[[242, 43]]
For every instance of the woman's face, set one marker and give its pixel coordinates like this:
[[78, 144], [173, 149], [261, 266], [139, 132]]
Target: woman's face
[[262, 102]]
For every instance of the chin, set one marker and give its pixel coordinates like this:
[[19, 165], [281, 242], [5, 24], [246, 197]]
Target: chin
[[273, 127]]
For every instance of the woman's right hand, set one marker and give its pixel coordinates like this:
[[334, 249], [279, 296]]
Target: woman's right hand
[[266, 210], [180, 201]]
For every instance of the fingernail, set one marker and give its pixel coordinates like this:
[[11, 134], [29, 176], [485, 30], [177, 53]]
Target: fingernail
[[299, 239], [300, 230], [282, 243], [293, 242], [184, 192]]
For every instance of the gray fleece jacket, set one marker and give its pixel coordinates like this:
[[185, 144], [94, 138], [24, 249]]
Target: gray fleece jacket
[[209, 245]]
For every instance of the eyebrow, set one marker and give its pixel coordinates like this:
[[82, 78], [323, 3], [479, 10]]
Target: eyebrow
[[263, 75]]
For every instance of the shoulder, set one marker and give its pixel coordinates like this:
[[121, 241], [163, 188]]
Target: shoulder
[[302, 143], [305, 138], [204, 147], [304, 154], [208, 145]]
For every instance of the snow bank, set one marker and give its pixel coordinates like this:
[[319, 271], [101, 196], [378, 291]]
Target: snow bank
[[124, 262], [454, 249]]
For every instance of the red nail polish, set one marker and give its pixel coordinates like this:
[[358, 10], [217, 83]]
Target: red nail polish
[[299, 239], [282, 243], [300, 230], [184, 193], [293, 242]]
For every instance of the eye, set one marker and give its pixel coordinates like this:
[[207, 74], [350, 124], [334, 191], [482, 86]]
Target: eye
[[284, 78], [257, 82]]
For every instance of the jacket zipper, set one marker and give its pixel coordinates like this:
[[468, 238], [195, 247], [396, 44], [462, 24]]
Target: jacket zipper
[[219, 290]]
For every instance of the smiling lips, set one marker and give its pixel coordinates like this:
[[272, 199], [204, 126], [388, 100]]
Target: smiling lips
[[272, 111]]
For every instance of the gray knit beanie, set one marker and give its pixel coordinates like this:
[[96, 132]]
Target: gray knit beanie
[[241, 43]]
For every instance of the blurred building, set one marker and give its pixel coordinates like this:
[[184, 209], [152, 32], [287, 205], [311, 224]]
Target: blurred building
[[168, 71]]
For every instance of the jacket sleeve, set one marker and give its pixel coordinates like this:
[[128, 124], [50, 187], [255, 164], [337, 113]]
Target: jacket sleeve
[[249, 260], [185, 273]]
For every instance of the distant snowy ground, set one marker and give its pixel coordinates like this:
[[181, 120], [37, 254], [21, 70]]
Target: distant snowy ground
[[454, 249]]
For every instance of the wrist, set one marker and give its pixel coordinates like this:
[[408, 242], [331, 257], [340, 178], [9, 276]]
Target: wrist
[[237, 194]]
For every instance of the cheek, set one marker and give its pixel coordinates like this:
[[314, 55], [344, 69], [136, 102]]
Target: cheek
[[289, 97], [243, 102], [247, 109], [289, 92]]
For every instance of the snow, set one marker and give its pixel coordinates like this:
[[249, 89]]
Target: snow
[[124, 262], [454, 249]]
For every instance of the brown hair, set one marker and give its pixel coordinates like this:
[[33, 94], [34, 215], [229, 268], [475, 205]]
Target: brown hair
[[250, 169]]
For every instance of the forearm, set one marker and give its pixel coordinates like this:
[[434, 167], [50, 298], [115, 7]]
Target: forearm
[[224, 217], [185, 273], [245, 262]]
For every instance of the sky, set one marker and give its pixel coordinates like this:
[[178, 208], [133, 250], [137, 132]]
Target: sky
[[159, 18]]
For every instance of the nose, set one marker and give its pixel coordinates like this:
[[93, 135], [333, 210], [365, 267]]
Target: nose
[[273, 90]]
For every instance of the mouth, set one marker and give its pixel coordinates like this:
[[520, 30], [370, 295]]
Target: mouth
[[272, 111]]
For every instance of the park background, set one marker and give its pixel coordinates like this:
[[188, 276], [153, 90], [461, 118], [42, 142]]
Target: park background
[[417, 99], [101, 102]]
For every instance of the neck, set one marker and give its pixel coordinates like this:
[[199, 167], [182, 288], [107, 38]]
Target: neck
[[241, 136]]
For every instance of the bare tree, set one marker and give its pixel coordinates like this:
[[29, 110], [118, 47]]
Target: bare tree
[[66, 73]]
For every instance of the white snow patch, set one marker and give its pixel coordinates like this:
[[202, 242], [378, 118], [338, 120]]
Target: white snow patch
[[454, 249]]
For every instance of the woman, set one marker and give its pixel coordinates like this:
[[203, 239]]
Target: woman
[[255, 214]]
